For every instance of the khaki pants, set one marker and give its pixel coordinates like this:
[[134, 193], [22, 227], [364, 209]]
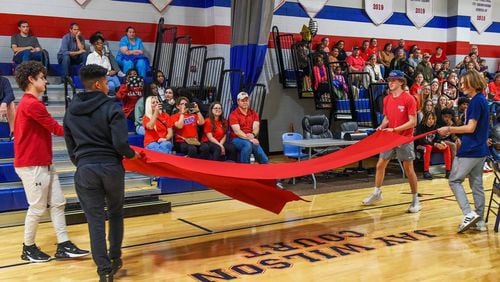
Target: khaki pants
[[42, 188]]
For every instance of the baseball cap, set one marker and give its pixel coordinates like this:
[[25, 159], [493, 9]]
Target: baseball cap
[[435, 80], [396, 74], [242, 95]]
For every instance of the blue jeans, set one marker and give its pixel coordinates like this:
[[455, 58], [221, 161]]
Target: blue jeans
[[113, 82], [27, 55], [246, 148], [66, 60], [140, 65], [140, 130], [162, 147]]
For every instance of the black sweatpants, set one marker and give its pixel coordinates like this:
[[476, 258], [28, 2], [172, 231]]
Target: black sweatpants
[[97, 186]]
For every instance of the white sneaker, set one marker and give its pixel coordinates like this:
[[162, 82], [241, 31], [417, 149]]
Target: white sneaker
[[279, 185], [487, 168], [121, 74], [372, 199], [480, 226], [468, 221], [414, 207]]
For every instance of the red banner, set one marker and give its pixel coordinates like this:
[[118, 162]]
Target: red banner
[[255, 184]]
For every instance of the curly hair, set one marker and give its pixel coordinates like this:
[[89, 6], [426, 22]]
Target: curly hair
[[27, 69]]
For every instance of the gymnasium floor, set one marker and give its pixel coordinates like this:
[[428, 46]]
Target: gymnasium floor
[[331, 238]]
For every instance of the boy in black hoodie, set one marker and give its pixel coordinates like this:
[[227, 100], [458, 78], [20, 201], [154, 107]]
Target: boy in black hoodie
[[96, 136]]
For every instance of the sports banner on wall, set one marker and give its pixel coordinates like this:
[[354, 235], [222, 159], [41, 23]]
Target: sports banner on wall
[[481, 15], [379, 11], [312, 7], [160, 5], [278, 4], [419, 12]]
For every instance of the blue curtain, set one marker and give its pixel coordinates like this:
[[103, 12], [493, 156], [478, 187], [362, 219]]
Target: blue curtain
[[251, 24]]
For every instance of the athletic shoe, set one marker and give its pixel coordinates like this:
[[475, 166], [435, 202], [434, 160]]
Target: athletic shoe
[[414, 207], [106, 277], [373, 198], [69, 250], [480, 226], [427, 175], [121, 74], [34, 254], [487, 168], [447, 175], [279, 185], [468, 221], [116, 264]]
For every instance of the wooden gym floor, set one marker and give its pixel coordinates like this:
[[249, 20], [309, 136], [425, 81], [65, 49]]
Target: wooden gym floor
[[331, 238]]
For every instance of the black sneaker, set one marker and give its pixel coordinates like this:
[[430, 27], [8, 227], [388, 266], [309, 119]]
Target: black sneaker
[[106, 277], [69, 250], [116, 264], [427, 175], [447, 175], [34, 254]]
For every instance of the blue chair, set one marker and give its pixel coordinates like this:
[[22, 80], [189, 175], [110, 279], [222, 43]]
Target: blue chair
[[292, 151]]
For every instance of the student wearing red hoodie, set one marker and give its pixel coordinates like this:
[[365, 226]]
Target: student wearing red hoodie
[[33, 163]]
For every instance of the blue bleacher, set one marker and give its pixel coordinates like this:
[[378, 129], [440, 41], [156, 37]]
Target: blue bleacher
[[169, 185]]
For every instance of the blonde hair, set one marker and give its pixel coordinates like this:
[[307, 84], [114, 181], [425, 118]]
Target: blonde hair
[[473, 79], [148, 111]]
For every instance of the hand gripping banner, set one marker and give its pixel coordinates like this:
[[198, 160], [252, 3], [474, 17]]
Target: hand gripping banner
[[255, 184]]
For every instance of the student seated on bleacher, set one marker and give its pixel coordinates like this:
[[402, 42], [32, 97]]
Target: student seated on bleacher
[[130, 92], [99, 58], [131, 53], [7, 105], [107, 53], [215, 134], [158, 133], [26, 46], [432, 143], [185, 124], [72, 50]]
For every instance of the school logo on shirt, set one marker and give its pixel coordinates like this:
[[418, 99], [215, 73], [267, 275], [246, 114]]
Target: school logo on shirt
[[189, 120], [401, 108]]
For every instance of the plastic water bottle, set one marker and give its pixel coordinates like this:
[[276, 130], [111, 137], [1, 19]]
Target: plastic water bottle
[[252, 159]]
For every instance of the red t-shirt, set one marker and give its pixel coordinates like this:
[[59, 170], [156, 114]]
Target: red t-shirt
[[129, 97], [398, 109], [495, 90], [218, 134], [441, 59], [190, 128], [160, 131], [245, 121], [356, 63], [33, 127]]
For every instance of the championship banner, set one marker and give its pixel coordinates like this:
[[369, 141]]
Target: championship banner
[[379, 11], [81, 2], [312, 7], [278, 4], [481, 16], [255, 183], [160, 5], [420, 12]]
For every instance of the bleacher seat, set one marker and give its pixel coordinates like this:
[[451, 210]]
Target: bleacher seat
[[4, 130], [169, 185], [6, 149]]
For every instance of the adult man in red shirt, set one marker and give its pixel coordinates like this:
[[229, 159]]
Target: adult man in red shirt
[[245, 125], [400, 116], [33, 163], [355, 61]]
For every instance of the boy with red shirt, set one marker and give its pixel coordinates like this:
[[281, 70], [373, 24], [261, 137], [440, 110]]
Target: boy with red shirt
[[400, 116], [130, 92], [33, 163]]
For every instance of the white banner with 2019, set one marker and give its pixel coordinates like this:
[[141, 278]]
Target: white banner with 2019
[[379, 11], [481, 14], [419, 12]]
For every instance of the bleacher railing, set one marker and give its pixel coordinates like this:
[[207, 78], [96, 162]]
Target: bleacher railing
[[180, 61], [194, 69], [231, 80], [283, 49], [164, 49]]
